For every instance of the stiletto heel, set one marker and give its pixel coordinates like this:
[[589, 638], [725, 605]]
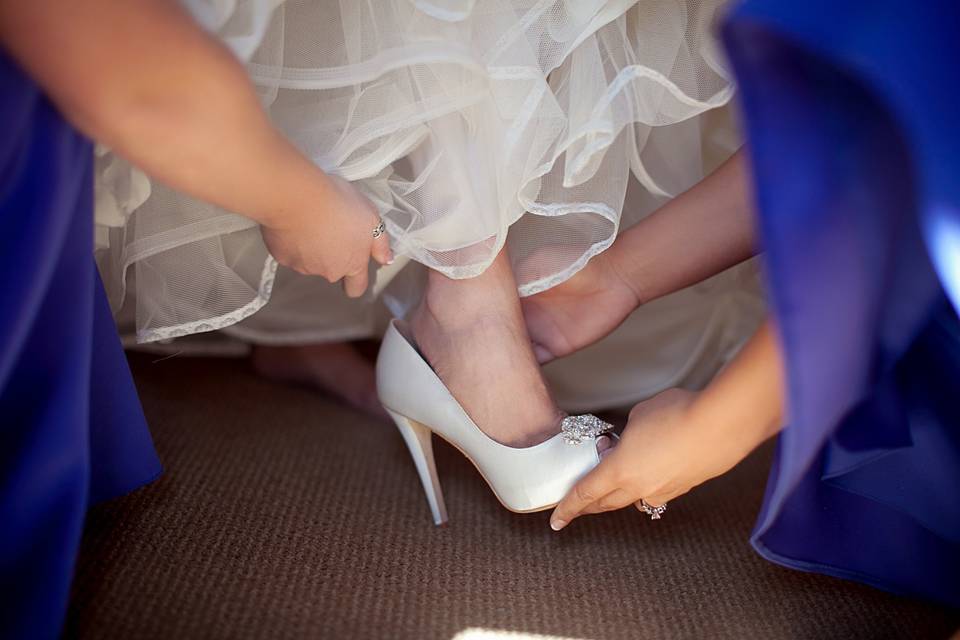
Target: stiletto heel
[[523, 480], [419, 441]]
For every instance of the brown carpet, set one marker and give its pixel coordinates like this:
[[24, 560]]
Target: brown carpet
[[282, 515]]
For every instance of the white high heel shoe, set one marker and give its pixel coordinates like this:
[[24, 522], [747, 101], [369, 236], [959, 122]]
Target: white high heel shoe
[[524, 480]]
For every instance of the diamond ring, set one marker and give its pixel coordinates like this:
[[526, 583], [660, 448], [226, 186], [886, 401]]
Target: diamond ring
[[379, 229], [652, 511]]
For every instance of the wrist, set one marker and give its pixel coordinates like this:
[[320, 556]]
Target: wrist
[[302, 197], [627, 273], [725, 437]]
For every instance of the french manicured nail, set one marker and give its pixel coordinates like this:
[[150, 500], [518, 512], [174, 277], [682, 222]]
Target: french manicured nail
[[556, 525], [392, 259]]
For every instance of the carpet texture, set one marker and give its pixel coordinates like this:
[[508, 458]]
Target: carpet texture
[[282, 515]]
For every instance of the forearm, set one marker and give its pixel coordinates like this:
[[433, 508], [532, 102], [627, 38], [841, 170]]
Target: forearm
[[144, 79], [698, 234], [744, 405]]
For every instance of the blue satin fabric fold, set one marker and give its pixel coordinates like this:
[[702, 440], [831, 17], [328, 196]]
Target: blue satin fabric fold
[[854, 137], [71, 427]]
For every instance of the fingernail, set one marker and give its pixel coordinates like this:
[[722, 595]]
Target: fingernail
[[391, 260], [542, 353], [604, 445], [556, 525]]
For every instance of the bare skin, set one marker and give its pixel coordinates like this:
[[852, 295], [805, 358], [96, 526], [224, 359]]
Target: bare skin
[[677, 439], [469, 328], [335, 368], [162, 93], [472, 333], [156, 88], [473, 330], [680, 439], [694, 236]]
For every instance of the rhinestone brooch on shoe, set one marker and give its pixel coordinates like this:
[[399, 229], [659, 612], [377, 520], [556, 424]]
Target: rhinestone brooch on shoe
[[577, 428]]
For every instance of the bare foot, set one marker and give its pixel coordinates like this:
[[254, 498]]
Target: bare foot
[[472, 333], [578, 312], [490, 370], [336, 368]]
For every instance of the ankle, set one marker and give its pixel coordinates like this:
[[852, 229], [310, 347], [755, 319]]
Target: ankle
[[460, 304]]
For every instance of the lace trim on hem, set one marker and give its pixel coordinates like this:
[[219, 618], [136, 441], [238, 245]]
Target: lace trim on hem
[[267, 278], [174, 238], [543, 284]]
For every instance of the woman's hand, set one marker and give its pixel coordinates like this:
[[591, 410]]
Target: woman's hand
[[659, 457], [188, 116], [692, 237], [580, 311], [333, 238], [680, 439]]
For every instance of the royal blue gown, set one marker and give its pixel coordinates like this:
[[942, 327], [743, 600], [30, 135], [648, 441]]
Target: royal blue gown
[[852, 114], [72, 431]]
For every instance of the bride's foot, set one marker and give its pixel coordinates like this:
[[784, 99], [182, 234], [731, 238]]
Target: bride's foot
[[485, 360], [472, 334], [488, 367], [524, 479], [580, 311], [336, 368]]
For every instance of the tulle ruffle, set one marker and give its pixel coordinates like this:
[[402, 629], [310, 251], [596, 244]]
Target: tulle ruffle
[[471, 124]]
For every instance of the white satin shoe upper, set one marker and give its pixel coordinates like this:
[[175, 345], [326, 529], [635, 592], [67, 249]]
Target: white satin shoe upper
[[524, 480]]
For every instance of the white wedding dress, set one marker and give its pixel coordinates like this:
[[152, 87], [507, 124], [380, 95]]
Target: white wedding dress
[[471, 124]]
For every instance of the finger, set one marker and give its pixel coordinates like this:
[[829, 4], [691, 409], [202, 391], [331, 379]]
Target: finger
[[591, 487], [354, 285], [381, 251], [653, 502], [616, 499]]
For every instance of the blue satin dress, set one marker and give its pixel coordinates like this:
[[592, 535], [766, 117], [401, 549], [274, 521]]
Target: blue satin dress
[[852, 113], [72, 431]]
